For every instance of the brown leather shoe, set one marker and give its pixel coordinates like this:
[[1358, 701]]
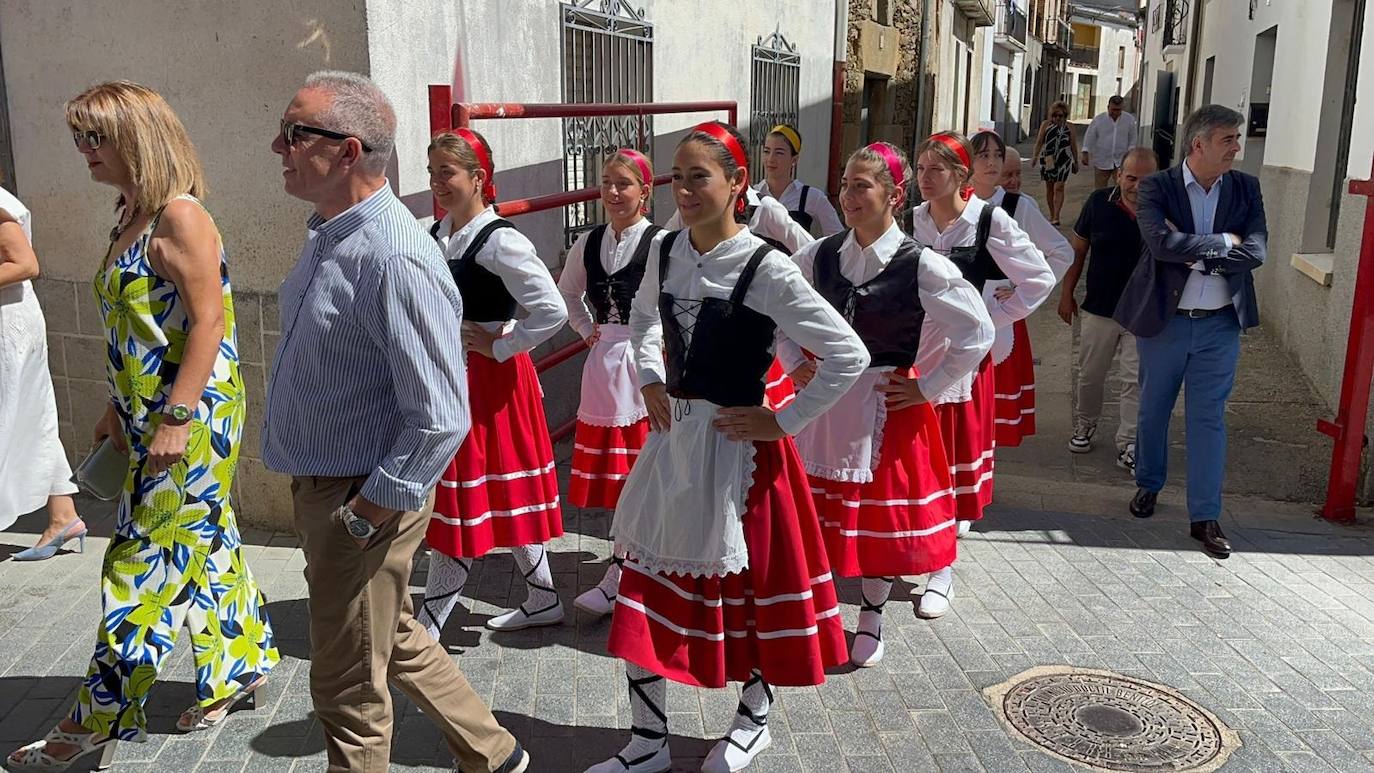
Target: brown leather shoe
[[1143, 503], [1213, 541]]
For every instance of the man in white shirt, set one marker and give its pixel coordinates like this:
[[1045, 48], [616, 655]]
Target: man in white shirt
[[1108, 138]]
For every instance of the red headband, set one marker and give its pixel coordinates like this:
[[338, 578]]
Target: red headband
[[483, 160], [962, 152], [645, 173], [724, 137], [894, 164]]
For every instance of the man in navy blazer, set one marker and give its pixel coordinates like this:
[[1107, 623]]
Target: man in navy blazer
[[1191, 295]]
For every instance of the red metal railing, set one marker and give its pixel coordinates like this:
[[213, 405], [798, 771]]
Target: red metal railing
[[445, 115], [1353, 411]]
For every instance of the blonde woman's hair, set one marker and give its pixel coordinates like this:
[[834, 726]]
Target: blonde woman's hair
[[948, 155], [1060, 105], [148, 137], [459, 150]]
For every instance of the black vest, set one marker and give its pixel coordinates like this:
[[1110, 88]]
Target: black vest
[[731, 350], [610, 295], [886, 310], [800, 215], [975, 262], [485, 297]]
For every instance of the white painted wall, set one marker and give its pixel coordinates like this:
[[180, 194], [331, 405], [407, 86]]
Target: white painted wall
[[487, 57], [1299, 62], [1362, 136]]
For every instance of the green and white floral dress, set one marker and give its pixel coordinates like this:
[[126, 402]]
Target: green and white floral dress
[[175, 555]]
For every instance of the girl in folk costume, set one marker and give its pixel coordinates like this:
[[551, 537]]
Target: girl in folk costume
[[603, 271], [877, 463], [501, 489], [805, 204], [727, 577], [1013, 361], [987, 246], [768, 219]]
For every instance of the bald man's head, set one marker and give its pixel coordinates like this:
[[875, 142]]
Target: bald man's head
[[1011, 171]]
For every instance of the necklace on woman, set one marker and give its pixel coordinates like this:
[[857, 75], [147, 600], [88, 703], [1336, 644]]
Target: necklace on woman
[[123, 225]]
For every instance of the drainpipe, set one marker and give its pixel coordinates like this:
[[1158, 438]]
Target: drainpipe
[[924, 119], [832, 184]]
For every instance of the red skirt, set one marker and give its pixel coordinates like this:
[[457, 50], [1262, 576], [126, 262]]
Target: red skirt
[[601, 461], [779, 616], [902, 522], [778, 390], [968, 431], [1015, 381], [501, 490]]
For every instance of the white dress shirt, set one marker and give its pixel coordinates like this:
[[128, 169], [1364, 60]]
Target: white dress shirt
[[1107, 141], [823, 215], [616, 251], [1058, 252], [511, 256], [770, 221], [778, 291], [954, 309], [1203, 290], [1017, 256]]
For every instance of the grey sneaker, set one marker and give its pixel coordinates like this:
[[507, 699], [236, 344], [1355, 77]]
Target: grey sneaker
[[1082, 440], [1126, 459]]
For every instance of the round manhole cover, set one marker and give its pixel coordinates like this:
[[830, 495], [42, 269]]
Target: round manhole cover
[[1112, 722]]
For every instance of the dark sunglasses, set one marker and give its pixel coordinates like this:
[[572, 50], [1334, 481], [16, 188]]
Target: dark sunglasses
[[289, 131], [87, 140]]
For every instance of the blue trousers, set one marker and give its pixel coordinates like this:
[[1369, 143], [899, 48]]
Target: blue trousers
[[1201, 353]]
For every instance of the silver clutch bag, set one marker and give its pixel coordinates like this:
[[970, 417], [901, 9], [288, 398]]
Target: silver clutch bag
[[103, 472]]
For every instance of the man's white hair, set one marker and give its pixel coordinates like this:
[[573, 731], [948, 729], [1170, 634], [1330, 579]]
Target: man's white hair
[[1013, 156], [359, 109]]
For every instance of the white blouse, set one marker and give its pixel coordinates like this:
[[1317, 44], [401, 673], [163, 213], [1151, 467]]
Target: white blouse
[[823, 215], [1057, 249], [778, 291], [511, 256], [616, 251], [1012, 249], [770, 220], [954, 310]]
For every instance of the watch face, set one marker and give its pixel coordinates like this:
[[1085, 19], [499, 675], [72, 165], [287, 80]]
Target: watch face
[[359, 527], [181, 412]]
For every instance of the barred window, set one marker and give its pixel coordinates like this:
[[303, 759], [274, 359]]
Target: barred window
[[774, 94], [607, 53]]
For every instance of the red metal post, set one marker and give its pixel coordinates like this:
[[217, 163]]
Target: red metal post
[[1352, 413], [440, 119], [832, 183], [470, 111]]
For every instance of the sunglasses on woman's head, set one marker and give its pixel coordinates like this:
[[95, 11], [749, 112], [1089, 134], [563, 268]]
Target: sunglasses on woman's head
[[87, 140], [290, 130]]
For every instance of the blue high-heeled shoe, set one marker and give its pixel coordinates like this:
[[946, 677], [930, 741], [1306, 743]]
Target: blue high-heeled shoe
[[50, 548]]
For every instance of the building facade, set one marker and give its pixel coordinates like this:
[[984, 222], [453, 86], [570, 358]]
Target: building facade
[[1023, 60], [229, 70], [1295, 71], [1104, 59]]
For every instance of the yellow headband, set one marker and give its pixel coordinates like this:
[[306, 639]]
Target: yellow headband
[[790, 134]]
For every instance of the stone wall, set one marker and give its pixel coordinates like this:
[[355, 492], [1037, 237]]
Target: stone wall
[[902, 31]]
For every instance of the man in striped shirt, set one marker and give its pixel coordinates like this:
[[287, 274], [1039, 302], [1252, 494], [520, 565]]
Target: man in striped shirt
[[366, 405]]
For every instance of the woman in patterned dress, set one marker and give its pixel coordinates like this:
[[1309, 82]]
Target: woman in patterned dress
[[177, 408], [1057, 149]]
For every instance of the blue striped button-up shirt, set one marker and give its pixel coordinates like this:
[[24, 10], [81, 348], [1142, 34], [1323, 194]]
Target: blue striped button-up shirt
[[369, 378]]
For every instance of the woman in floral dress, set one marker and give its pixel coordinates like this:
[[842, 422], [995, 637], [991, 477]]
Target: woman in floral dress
[[177, 407]]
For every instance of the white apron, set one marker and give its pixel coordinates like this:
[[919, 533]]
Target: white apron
[[610, 388], [844, 443], [682, 507], [1005, 337]]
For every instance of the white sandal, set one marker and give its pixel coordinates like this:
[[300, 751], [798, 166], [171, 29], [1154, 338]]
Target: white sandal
[[34, 758], [198, 718]]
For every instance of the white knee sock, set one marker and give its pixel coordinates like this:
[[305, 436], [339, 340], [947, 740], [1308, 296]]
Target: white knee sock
[[533, 562], [648, 715], [447, 576], [610, 583], [875, 591]]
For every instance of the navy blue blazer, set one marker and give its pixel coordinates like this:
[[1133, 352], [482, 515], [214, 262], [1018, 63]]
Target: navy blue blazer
[[1153, 291]]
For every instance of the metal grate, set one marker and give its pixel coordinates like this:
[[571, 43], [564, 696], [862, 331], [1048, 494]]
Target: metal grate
[[607, 53], [774, 93]]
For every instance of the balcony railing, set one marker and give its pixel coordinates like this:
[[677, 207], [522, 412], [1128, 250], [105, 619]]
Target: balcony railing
[[1011, 23], [1083, 56], [1058, 36], [1176, 23]]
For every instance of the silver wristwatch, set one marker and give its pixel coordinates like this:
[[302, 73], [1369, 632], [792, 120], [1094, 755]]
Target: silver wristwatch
[[358, 526]]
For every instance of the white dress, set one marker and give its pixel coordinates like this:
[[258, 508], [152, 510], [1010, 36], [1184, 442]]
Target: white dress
[[33, 465]]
